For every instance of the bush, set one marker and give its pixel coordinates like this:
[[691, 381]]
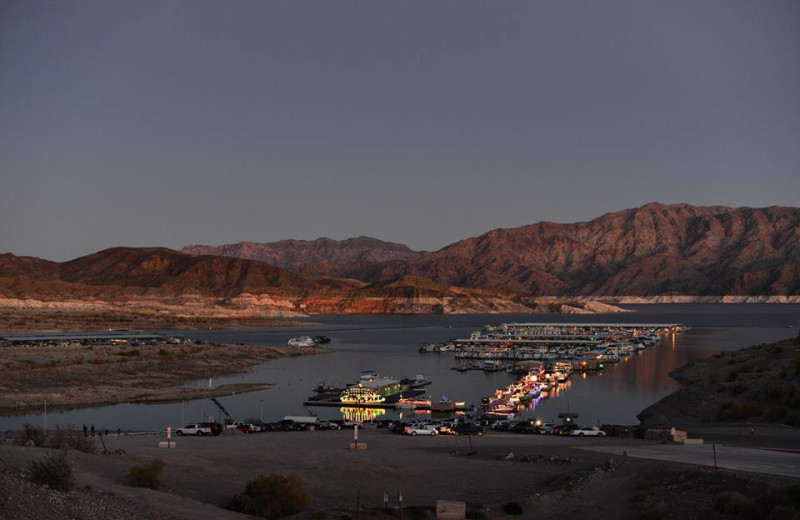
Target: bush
[[786, 395], [776, 413], [146, 476], [31, 433], [737, 412], [653, 511], [739, 388], [53, 471], [512, 508], [793, 418], [271, 496], [783, 513], [68, 437], [734, 503]]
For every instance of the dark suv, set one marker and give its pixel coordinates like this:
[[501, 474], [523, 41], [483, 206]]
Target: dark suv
[[468, 429]]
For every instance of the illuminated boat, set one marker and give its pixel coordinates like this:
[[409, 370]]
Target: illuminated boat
[[361, 395]]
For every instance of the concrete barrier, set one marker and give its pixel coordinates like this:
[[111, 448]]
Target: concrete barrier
[[449, 510], [692, 442]]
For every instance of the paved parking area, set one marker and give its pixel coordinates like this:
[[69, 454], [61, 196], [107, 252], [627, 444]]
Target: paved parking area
[[730, 457]]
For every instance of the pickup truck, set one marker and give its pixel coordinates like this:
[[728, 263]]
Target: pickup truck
[[193, 429]]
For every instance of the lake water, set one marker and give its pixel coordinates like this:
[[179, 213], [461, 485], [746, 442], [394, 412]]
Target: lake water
[[389, 345]]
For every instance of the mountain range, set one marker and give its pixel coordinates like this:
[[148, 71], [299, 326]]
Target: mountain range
[[653, 251], [656, 249]]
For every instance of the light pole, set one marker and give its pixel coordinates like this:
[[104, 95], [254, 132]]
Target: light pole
[[261, 417], [182, 421]]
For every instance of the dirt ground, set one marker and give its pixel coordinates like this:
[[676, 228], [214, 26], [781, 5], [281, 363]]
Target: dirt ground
[[548, 477], [72, 376], [65, 319]]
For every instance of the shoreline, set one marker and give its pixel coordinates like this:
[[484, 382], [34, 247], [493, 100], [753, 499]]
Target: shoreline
[[25, 316], [72, 377]]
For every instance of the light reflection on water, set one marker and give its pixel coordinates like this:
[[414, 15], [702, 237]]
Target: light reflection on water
[[388, 345]]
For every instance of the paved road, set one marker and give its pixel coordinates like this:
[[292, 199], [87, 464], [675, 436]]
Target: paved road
[[729, 457]]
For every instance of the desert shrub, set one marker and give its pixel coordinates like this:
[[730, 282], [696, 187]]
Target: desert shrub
[[737, 412], [419, 512], [69, 437], [653, 511], [31, 433], [776, 413], [512, 508], [787, 496], [53, 471], [271, 496], [474, 512], [164, 352], [786, 395], [783, 513], [732, 376], [739, 388], [148, 476], [793, 418], [734, 503]]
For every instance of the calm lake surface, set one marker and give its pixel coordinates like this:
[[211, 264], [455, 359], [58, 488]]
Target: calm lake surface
[[389, 345]]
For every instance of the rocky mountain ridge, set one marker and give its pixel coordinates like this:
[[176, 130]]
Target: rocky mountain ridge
[[656, 250]]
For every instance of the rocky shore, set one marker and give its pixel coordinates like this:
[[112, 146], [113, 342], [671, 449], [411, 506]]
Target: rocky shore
[[758, 384]]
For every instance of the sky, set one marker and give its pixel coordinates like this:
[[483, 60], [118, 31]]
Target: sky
[[173, 123]]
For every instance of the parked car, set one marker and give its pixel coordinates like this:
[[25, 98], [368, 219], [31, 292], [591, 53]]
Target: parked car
[[327, 425], [193, 429], [469, 429], [446, 428], [525, 426], [564, 429], [420, 429], [246, 428], [593, 431], [545, 428], [501, 425], [235, 425]]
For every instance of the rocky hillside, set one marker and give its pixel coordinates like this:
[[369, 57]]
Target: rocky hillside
[[161, 278], [359, 257], [653, 250], [756, 384]]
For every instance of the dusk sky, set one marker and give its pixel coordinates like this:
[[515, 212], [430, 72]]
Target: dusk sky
[[173, 123]]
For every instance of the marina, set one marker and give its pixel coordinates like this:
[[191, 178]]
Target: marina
[[390, 344], [586, 346]]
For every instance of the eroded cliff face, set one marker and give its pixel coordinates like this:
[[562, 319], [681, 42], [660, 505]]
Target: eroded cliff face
[[653, 254], [162, 280], [655, 250]]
